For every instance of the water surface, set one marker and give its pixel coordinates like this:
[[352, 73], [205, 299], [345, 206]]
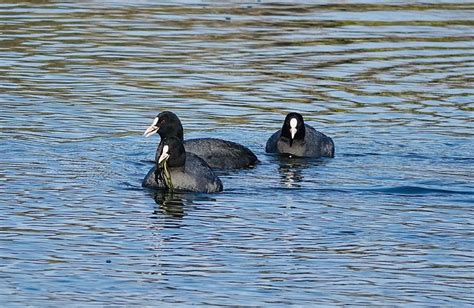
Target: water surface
[[389, 220]]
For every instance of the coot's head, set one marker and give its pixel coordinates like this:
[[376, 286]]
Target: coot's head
[[166, 124], [293, 127], [171, 151]]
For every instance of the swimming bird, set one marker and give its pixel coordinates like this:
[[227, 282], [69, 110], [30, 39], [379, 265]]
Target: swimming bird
[[298, 139], [218, 153], [176, 169]]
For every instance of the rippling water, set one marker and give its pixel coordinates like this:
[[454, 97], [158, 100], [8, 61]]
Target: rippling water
[[389, 220]]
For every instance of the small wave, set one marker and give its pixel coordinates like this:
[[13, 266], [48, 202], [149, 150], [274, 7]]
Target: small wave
[[416, 190]]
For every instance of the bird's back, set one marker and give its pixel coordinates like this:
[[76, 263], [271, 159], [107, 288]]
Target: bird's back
[[221, 154]]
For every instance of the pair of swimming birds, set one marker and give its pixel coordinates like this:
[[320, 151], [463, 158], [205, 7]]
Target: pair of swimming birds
[[187, 165]]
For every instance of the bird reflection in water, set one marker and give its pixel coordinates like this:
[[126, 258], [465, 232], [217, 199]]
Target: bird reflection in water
[[291, 169], [177, 204], [291, 172], [169, 203]]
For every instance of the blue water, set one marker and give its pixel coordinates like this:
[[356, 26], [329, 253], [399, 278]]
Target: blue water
[[388, 221]]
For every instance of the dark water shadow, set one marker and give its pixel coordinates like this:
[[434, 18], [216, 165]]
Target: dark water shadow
[[415, 191]]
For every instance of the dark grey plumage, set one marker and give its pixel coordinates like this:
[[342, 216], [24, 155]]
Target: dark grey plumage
[[221, 154], [305, 142], [217, 153], [189, 173]]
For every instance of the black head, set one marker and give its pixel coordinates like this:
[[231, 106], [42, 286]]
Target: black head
[[171, 150], [293, 127], [166, 124]]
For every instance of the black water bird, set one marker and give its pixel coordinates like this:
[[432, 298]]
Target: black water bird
[[298, 139], [218, 153], [176, 169]]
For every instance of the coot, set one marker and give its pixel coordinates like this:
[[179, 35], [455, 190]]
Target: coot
[[217, 153], [176, 169], [298, 139]]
